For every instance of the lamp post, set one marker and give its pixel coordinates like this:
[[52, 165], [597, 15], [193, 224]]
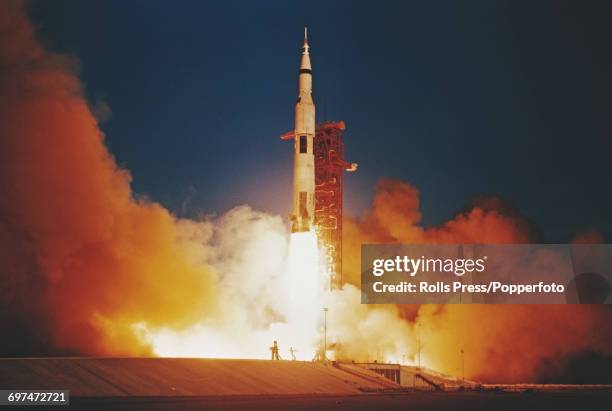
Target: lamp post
[[462, 366], [419, 345], [325, 334]]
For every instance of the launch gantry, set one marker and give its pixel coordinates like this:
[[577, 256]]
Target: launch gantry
[[329, 168]]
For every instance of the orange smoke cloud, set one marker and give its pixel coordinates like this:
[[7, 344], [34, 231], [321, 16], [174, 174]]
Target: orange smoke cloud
[[83, 263], [501, 343], [81, 259]]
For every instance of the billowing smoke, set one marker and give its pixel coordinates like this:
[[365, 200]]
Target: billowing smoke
[[499, 343], [81, 259], [248, 250], [88, 268]]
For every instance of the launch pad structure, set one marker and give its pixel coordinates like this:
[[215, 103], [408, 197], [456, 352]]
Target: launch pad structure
[[329, 189]]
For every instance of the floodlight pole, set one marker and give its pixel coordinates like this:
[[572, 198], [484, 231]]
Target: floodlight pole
[[419, 344], [463, 366], [325, 334]]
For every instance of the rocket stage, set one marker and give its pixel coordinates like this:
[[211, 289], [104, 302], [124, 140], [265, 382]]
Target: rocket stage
[[184, 383]]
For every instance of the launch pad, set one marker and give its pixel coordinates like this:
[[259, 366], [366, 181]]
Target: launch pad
[[198, 384]]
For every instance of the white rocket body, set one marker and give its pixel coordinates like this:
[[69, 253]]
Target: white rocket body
[[303, 166]]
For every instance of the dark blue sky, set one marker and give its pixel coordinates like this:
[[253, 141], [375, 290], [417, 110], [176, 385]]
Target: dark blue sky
[[459, 98]]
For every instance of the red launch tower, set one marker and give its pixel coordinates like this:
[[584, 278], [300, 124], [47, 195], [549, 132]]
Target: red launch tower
[[329, 169]]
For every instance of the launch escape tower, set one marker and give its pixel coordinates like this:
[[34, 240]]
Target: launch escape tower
[[317, 173]]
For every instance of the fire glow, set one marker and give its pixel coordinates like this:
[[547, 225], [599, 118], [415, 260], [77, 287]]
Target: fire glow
[[303, 279], [91, 269]]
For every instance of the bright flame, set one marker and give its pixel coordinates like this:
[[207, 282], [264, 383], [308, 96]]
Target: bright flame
[[300, 300], [304, 279]]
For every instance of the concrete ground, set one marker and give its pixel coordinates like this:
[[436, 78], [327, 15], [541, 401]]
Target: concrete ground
[[208, 384], [147, 377]]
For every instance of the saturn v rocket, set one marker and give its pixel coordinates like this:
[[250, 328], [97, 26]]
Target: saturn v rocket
[[302, 217]]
